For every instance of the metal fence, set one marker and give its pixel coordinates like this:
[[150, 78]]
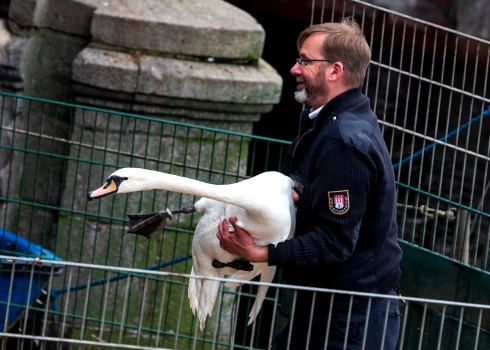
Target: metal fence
[[43, 198], [425, 323], [52, 155], [108, 293], [428, 86]]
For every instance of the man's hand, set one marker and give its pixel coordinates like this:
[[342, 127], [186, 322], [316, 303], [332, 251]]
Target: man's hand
[[295, 196], [240, 242]]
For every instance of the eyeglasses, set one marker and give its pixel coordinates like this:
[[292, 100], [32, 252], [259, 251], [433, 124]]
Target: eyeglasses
[[300, 61]]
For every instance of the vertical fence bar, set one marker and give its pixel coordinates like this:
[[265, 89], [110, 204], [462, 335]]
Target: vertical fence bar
[[441, 328], [421, 337], [86, 304]]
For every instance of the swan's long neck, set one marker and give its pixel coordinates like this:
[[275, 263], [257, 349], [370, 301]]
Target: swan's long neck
[[157, 180]]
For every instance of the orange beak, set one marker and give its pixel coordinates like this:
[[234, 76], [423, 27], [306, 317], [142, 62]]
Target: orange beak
[[109, 188]]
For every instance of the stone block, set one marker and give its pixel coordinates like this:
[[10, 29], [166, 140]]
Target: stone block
[[67, 16], [218, 82], [208, 28], [110, 70], [21, 12], [47, 64], [174, 78]]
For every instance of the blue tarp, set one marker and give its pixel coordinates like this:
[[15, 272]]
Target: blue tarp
[[19, 281]]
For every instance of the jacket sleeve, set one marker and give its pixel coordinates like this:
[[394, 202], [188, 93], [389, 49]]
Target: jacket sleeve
[[333, 236]]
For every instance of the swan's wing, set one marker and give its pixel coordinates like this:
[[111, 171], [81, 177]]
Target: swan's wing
[[202, 297], [202, 293], [267, 275]]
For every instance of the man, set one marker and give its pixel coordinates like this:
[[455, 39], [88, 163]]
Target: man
[[346, 231]]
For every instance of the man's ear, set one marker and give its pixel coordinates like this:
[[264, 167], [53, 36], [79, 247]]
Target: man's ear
[[336, 72]]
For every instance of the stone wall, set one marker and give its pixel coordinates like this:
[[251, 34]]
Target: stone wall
[[176, 61], [179, 61], [36, 60]]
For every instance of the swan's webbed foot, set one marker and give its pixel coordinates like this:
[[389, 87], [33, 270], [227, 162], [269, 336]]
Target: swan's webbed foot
[[148, 224], [238, 264]]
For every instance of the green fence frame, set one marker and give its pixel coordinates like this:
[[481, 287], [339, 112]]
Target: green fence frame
[[52, 153]]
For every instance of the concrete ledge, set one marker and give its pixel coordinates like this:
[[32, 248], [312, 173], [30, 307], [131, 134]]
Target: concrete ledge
[[215, 82], [208, 28], [209, 81], [106, 69]]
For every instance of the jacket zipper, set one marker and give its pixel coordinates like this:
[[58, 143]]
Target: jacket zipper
[[297, 143], [302, 136]]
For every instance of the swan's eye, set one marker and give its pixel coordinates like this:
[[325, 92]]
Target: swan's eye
[[126, 178]]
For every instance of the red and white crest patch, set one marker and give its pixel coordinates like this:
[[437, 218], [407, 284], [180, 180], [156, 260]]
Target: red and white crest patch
[[339, 202]]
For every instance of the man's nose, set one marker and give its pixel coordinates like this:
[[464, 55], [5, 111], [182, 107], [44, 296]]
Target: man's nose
[[296, 69]]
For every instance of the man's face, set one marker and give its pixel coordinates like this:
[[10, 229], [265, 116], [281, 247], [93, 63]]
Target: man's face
[[310, 76]]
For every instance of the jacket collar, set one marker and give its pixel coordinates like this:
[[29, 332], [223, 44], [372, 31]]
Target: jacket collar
[[336, 105], [341, 102]]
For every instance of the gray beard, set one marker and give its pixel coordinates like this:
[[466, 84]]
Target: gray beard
[[300, 96]]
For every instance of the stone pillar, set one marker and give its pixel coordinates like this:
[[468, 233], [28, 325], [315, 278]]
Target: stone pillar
[[44, 38], [178, 61], [183, 61]]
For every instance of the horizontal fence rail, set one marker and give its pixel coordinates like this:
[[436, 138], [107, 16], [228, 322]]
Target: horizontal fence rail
[[94, 321]]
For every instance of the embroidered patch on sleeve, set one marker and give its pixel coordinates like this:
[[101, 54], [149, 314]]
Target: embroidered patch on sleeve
[[339, 202]]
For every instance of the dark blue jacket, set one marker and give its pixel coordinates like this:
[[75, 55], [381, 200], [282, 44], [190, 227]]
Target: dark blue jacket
[[346, 233]]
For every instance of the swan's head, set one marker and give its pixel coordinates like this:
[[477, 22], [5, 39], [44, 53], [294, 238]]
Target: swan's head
[[122, 181]]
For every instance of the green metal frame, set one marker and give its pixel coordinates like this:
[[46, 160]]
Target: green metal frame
[[50, 147]]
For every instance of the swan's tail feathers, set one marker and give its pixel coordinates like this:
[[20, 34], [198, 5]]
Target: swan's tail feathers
[[244, 276], [202, 295], [267, 275]]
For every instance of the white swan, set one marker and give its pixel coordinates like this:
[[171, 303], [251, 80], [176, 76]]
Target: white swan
[[263, 205]]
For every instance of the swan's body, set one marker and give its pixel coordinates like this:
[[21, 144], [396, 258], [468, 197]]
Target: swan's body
[[263, 205]]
